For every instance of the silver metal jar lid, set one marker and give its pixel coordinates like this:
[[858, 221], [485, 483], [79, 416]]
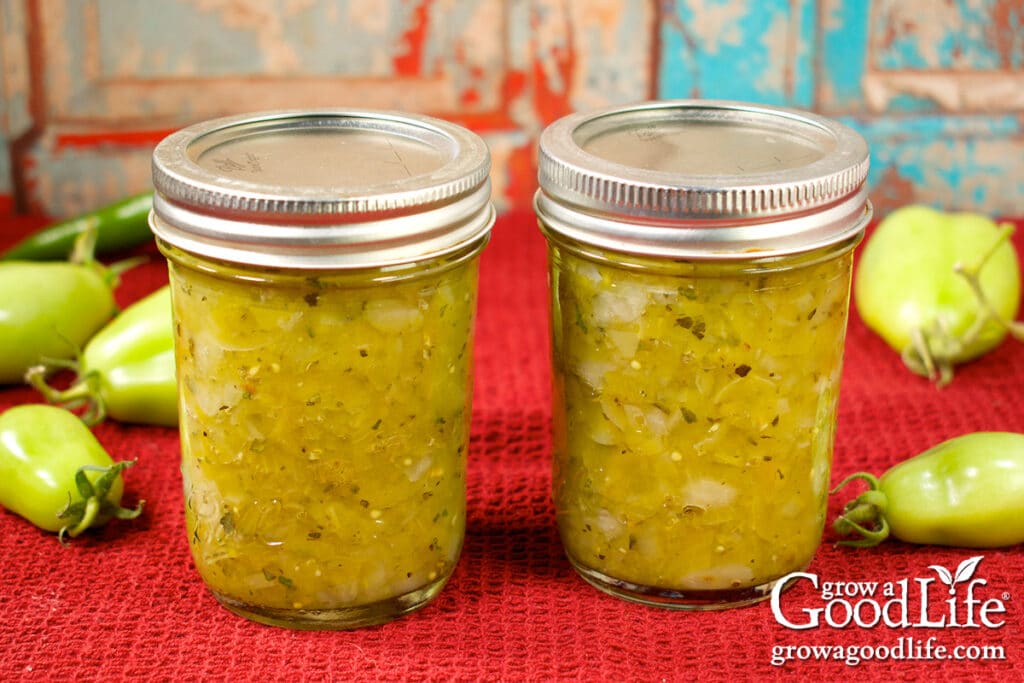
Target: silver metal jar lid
[[322, 189], [703, 179]]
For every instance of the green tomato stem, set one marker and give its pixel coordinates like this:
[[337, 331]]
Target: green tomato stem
[[930, 351], [917, 356], [83, 253], [84, 250], [870, 479], [82, 514], [92, 508], [866, 509], [85, 391], [869, 537], [118, 267], [973, 269], [970, 273]]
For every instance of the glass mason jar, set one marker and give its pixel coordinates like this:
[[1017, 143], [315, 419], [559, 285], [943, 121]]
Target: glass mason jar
[[700, 264], [323, 270]]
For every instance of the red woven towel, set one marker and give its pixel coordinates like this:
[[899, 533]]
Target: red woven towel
[[126, 604]]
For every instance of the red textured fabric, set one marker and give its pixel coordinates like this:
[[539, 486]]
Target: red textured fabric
[[125, 603]]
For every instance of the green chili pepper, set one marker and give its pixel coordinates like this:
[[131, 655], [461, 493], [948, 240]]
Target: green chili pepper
[[49, 310], [55, 474], [119, 226], [966, 492], [127, 370]]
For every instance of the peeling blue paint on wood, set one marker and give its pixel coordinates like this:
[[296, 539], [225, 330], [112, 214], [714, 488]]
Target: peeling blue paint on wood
[[965, 35], [937, 88], [844, 46], [951, 162], [754, 51]]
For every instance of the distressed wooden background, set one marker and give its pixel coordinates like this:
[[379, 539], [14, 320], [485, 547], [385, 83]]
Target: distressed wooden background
[[89, 86]]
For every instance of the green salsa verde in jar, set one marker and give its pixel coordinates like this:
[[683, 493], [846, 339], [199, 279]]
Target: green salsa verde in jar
[[700, 258], [323, 271]]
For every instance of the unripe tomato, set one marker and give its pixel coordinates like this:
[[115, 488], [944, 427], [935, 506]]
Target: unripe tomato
[[907, 288], [966, 492], [47, 311]]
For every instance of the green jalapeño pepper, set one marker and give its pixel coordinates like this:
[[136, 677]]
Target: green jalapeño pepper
[[965, 492], [119, 226], [55, 474], [49, 310], [127, 370]]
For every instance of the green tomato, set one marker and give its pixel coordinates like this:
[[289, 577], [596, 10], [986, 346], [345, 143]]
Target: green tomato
[[127, 371], [48, 310], [966, 492], [144, 392], [55, 474], [140, 331], [909, 291]]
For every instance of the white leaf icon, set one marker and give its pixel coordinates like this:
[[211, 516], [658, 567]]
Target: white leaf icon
[[967, 568], [964, 572], [944, 574]]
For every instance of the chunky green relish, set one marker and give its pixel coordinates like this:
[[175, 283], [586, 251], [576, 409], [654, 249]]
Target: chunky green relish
[[324, 428], [694, 416]]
